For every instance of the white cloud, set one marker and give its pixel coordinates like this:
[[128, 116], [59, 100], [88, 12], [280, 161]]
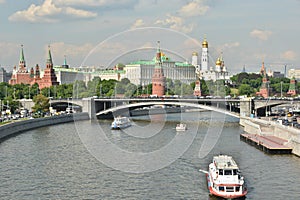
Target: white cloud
[[61, 49], [260, 34], [79, 13], [194, 8], [288, 55], [176, 23], [231, 45], [138, 23], [48, 12], [2, 1], [97, 3], [8, 50]]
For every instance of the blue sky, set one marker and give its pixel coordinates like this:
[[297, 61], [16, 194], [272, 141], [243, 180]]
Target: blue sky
[[101, 32]]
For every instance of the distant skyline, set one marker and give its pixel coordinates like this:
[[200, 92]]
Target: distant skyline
[[247, 32]]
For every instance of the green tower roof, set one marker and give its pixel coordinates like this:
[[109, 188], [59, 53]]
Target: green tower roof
[[49, 59], [22, 59]]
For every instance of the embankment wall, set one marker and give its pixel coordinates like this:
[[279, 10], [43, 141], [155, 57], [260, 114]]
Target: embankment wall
[[17, 127], [292, 135]]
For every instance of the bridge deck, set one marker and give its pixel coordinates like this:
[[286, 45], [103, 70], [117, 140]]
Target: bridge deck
[[269, 144]]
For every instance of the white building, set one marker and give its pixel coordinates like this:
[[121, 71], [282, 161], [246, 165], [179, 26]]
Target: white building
[[141, 72], [210, 72], [294, 73]]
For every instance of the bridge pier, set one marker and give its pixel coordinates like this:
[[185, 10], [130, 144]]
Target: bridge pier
[[246, 107], [88, 105]]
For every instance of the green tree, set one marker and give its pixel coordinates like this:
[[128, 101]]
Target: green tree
[[130, 90], [10, 103], [80, 90], [245, 89], [41, 104]]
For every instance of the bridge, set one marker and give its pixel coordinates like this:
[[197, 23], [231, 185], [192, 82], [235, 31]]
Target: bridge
[[101, 107]]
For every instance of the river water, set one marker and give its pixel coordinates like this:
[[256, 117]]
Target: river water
[[64, 162]]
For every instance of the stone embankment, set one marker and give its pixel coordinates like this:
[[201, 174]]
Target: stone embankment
[[17, 127], [270, 128]]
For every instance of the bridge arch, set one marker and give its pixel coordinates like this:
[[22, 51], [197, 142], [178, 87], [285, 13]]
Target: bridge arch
[[142, 104], [62, 104]]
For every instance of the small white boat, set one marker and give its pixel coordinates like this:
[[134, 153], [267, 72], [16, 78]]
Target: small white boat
[[120, 122], [224, 178], [181, 127]]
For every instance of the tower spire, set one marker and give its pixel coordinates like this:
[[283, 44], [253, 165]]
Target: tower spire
[[65, 60], [22, 60], [22, 64], [158, 53], [49, 59]]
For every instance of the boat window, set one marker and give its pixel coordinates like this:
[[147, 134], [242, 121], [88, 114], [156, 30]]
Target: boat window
[[220, 171], [237, 188], [228, 172], [234, 172], [229, 189], [221, 188]]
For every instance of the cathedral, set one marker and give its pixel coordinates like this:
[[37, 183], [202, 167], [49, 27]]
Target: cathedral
[[207, 72], [22, 75]]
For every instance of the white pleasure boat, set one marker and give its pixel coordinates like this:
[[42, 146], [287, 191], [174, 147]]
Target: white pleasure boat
[[224, 178], [181, 127], [120, 122]]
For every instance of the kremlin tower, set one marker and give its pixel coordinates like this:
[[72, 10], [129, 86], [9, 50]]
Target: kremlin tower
[[264, 90], [49, 77], [292, 88], [262, 69], [158, 78], [21, 75]]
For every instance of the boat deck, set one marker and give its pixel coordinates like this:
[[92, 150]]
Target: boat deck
[[267, 143]]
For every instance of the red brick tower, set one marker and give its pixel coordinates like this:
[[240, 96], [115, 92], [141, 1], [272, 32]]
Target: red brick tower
[[197, 90], [49, 77], [20, 75], [262, 69], [292, 88], [264, 91], [158, 78]]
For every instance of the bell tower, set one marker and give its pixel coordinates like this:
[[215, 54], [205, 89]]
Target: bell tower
[[204, 56]]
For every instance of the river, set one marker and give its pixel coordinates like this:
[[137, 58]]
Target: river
[[65, 161]]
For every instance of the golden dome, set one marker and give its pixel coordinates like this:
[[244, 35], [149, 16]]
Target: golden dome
[[195, 54], [205, 43], [218, 62]]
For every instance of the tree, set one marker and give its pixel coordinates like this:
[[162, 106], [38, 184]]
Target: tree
[[245, 89], [41, 104], [10, 104], [80, 90]]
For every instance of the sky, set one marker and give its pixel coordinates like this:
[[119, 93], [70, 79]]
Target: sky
[[105, 32]]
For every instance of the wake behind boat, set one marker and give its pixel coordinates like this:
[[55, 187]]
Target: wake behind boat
[[120, 122], [224, 178]]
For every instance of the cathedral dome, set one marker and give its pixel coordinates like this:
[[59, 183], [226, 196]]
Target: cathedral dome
[[218, 62]]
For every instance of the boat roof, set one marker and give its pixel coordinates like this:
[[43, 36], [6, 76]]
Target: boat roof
[[224, 162]]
